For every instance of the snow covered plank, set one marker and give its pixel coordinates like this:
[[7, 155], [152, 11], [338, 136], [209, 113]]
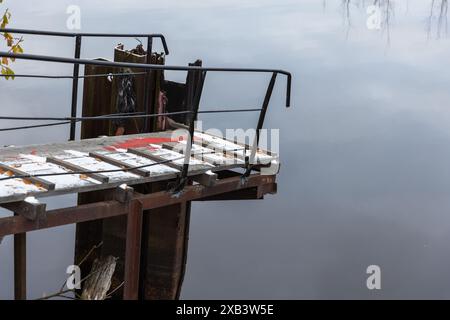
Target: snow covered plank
[[157, 153], [231, 148], [12, 189], [35, 165], [32, 160], [91, 164], [147, 165], [220, 161]]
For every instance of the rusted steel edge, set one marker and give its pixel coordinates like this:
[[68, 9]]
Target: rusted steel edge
[[105, 209]]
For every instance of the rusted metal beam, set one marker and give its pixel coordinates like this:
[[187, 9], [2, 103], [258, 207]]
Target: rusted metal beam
[[160, 199], [60, 217], [256, 193], [20, 266], [106, 209], [133, 251]]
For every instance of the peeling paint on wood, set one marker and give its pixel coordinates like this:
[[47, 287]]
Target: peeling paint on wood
[[34, 160]]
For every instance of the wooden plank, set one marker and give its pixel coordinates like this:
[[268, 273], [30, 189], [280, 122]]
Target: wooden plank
[[66, 158], [114, 173], [38, 181], [77, 168], [154, 169], [157, 153], [207, 179], [107, 143], [221, 161], [151, 156], [38, 165], [31, 190], [119, 163], [16, 189], [235, 141], [30, 209], [231, 148]]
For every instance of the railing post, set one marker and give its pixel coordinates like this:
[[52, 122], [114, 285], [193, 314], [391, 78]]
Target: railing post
[[193, 104], [147, 85], [262, 116], [76, 71]]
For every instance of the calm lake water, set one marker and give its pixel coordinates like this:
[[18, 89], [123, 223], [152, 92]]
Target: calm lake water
[[365, 148]]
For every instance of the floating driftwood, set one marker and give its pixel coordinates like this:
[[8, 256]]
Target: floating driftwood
[[98, 282]]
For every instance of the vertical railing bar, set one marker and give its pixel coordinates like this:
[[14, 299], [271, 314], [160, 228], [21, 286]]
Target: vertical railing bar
[[262, 116], [76, 71], [147, 105], [193, 105]]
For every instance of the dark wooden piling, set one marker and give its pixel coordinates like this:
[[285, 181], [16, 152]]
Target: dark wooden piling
[[20, 266], [164, 230]]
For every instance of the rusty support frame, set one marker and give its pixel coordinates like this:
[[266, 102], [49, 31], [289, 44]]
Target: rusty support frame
[[106, 209], [127, 203]]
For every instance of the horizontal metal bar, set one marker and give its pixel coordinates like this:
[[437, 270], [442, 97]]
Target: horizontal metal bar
[[84, 34], [196, 192], [150, 67], [256, 193], [106, 117], [100, 75], [106, 209]]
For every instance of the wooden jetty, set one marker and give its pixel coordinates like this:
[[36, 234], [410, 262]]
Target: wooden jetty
[[117, 164], [135, 180]]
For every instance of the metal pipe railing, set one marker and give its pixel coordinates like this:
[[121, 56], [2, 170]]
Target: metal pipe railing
[[89, 35], [76, 67], [194, 102]]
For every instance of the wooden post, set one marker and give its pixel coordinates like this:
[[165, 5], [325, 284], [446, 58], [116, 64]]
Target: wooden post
[[164, 231], [20, 266], [133, 251]]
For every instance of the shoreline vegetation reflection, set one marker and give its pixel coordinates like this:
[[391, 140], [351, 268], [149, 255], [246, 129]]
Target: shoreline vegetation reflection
[[382, 12]]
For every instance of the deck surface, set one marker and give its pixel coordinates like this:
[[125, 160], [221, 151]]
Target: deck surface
[[209, 153]]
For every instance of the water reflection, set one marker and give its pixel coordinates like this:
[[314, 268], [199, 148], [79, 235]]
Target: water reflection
[[365, 176], [436, 21]]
